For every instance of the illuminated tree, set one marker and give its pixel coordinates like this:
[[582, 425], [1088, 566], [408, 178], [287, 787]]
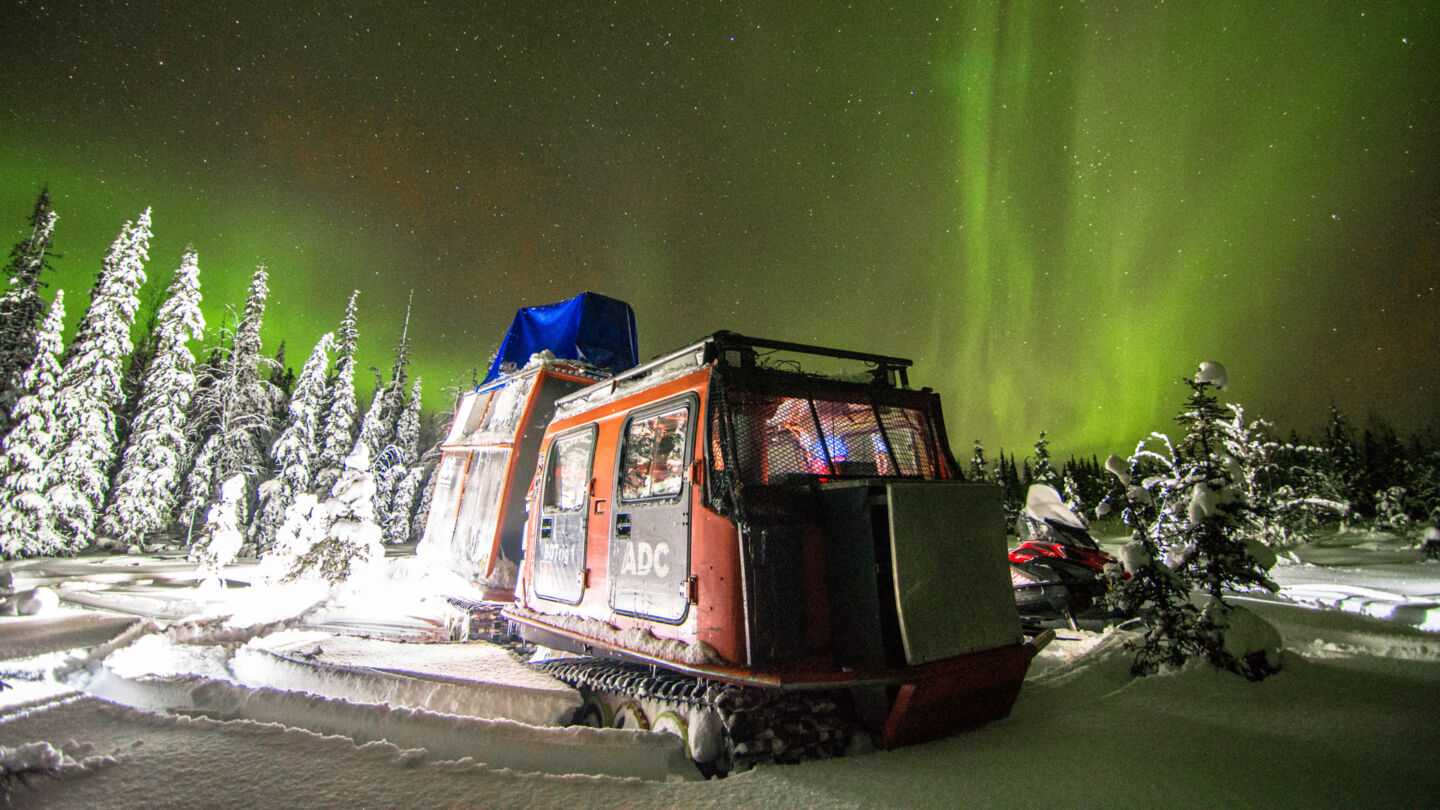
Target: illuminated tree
[[89, 386], [400, 479], [26, 525], [1191, 507], [21, 307], [351, 543], [979, 467], [220, 541], [378, 428], [1144, 583], [295, 453], [151, 466], [338, 424], [428, 464], [132, 382], [1044, 472], [234, 399]]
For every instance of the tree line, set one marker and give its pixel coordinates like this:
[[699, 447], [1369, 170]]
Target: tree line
[[112, 444], [1342, 478]]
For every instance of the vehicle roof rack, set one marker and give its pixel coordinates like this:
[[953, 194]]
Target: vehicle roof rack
[[731, 349], [739, 350]]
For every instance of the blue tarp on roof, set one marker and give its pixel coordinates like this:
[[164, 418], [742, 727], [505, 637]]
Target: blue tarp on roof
[[589, 327]]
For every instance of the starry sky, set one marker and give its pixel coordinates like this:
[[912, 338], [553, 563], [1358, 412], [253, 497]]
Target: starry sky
[[1057, 209]]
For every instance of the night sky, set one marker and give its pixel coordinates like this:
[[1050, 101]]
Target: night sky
[[1056, 210]]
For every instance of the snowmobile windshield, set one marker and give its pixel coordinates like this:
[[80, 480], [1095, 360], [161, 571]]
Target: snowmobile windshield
[[770, 427]]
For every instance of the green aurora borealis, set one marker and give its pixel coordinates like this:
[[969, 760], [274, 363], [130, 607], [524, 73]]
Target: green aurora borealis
[[1057, 210]]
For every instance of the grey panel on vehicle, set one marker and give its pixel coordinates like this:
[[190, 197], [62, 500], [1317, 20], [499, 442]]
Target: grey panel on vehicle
[[952, 581], [855, 621]]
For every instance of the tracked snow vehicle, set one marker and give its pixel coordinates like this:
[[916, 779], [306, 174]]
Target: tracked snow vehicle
[[769, 560]]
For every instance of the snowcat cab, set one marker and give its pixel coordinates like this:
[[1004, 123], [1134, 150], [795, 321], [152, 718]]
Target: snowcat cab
[[477, 513], [781, 539]]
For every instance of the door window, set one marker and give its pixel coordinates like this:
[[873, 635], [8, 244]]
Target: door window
[[568, 481], [653, 463]]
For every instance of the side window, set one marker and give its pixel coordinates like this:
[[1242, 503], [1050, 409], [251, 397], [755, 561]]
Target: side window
[[567, 480], [653, 461]]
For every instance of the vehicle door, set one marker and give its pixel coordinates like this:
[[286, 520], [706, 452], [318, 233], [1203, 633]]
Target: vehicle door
[[559, 569], [649, 562]]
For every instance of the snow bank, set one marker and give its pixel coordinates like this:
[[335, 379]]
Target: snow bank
[[1251, 644], [497, 743], [471, 679]]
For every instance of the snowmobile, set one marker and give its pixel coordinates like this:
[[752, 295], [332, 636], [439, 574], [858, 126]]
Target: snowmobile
[[744, 542], [1058, 568]]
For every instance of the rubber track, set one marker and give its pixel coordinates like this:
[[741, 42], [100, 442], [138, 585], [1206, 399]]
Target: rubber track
[[762, 726]]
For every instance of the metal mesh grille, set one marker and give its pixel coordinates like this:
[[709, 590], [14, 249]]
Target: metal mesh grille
[[773, 433]]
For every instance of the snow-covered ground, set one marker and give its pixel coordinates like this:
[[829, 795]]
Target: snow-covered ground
[[150, 691]]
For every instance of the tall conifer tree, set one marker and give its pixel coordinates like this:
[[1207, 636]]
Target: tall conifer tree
[[147, 486], [295, 454], [338, 423], [238, 402], [26, 523], [21, 307], [90, 382]]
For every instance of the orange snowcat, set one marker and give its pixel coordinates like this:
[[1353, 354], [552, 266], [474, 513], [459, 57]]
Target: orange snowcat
[[773, 562]]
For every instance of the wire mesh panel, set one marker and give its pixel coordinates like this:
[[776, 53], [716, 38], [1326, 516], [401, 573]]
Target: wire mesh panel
[[771, 430]]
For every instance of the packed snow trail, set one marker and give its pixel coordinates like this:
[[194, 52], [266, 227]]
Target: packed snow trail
[[1350, 732], [167, 761], [473, 679], [495, 743], [367, 704]]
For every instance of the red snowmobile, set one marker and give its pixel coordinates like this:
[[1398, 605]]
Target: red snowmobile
[[1058, 568]]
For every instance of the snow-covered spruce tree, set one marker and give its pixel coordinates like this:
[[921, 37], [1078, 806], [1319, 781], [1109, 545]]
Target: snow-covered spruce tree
[[306, 523], [132, 381], [1070, 492], [294, 454], [337, 431], [146, 488], [221, 538], [351, 546], [1340, 462], [429, 462], [399, 369], [198, 483], [1200, 510], [979, 467], [89, 386], [1143, 583], [1044, 471], [401, 477], [21, 306], [425, 486], [26, 524], [378, 427], [239, 403], [1277, 511], [1222, 557]]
